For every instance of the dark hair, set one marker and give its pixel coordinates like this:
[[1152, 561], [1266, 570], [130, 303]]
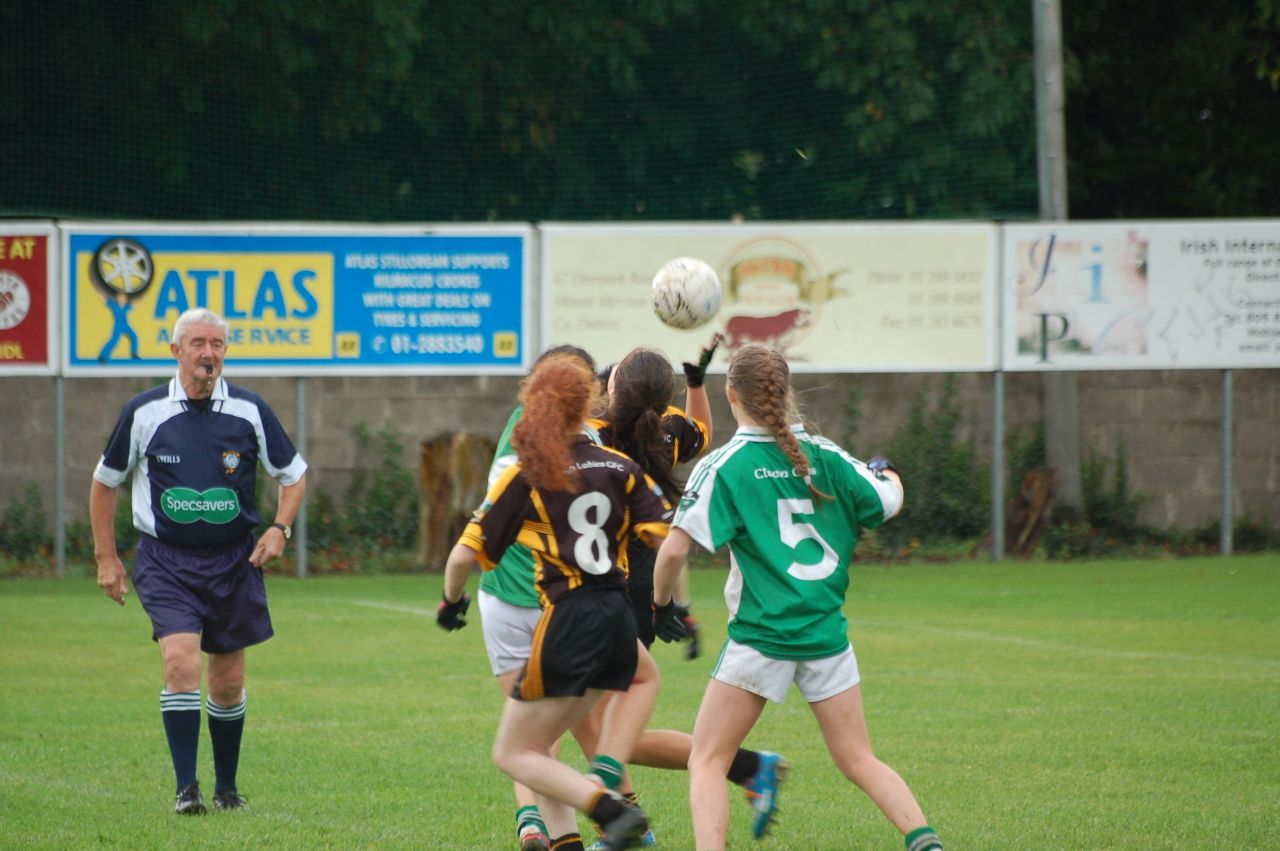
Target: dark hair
[[762, 381], [572, 351], [643, 386], [556, 397]]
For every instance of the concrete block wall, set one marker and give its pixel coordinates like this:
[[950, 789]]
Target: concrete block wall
[[1169, 422]]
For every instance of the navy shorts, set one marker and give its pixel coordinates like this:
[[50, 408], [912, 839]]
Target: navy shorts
[[586, 640], [215, 593]]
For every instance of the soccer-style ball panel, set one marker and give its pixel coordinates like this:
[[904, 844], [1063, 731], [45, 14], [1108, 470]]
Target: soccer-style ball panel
[[686, 293]]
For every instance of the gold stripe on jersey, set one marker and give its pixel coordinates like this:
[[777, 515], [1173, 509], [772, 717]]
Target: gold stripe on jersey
[[472, 537], [531, 684], [657, 530], [552, 547]]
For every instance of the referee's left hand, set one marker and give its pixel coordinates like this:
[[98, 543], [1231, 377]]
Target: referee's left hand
[[269, 546]]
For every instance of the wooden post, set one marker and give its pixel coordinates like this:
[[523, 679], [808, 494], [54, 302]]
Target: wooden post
[[453, 476]]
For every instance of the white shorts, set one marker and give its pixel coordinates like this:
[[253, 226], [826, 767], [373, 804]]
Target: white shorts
[[508, 632], [817, 679]]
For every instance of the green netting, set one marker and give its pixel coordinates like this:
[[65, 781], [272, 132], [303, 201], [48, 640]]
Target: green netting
[[407, 110]]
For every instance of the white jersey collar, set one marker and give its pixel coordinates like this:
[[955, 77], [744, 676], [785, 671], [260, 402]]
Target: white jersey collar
[[761, 431]]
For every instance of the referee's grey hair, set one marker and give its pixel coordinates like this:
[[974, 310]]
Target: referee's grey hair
[[197, 315]]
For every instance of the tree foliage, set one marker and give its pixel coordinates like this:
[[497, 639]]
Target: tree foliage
[[408, 110], [1172, 109]]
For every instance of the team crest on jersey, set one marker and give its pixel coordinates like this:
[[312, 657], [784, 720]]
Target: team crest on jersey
[[230, 461]]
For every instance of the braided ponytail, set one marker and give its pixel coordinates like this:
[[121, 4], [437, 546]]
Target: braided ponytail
[[762, 381]]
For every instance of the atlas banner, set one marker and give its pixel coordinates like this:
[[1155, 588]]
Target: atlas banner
[[301, 301], [1142, 295], [831, 297], [28, 307]]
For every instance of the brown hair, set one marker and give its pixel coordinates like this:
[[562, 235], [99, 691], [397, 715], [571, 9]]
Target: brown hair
[[643, 384], [556, 397], [761, 380]]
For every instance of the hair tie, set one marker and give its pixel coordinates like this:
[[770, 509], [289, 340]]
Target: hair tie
[[808, 479]]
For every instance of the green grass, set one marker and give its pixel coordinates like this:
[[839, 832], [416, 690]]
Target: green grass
[[1119, 704]]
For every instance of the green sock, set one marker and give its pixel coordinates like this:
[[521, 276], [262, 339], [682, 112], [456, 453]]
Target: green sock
[[609, 770], [529, 818], [923, 839]]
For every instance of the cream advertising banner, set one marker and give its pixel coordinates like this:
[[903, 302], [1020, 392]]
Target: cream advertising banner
[[1142, 295], [833, 297]]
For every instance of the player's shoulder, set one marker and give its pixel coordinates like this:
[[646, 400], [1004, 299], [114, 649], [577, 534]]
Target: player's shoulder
[[156, 395], [235, 391]]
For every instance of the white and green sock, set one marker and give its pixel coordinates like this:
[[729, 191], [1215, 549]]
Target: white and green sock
[[608, 770], [529, 820], [923, 839]]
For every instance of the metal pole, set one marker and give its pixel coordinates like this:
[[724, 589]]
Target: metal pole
[[300, 522], [997, 465], [1225, 527], [1051, 134], [59, 476]]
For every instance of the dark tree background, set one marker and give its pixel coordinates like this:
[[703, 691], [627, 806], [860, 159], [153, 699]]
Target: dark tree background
[[410, 110]]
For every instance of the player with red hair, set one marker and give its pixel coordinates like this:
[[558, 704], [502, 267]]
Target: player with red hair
[[576, 505]]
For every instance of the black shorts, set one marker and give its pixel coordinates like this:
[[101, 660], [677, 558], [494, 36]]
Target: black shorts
[[214, 593], [587, 640], [640, 562]]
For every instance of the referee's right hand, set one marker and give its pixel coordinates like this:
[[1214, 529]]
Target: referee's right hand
[[111, 578]]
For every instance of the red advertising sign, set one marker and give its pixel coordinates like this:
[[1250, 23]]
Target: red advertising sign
[[25, 312]]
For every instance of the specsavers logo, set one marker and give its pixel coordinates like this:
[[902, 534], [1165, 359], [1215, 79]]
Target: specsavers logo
[[216, 505]]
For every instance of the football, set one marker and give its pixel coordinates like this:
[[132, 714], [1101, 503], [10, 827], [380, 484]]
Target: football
[[686, 293]]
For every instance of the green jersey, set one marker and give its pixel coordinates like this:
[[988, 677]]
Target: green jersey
[[789, 554], [512, 581]]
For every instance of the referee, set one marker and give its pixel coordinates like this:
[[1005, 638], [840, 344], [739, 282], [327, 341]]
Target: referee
[[194, 446]]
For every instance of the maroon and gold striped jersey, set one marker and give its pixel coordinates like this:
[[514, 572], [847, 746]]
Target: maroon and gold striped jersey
[[687, 437], [577, 538]]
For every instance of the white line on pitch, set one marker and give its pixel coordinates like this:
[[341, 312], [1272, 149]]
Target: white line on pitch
[[1071, 648]]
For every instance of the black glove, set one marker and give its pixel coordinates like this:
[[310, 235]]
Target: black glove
[[691, 631], [879, 464], [695, 374], [450, 615], [666, 622]]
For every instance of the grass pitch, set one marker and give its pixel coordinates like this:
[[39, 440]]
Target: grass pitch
[[1114, 704]]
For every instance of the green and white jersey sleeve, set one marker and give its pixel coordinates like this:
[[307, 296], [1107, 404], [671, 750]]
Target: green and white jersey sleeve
[[512, 581], [789, 554]]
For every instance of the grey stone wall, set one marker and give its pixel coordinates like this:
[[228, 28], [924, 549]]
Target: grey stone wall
[[1169, 422]]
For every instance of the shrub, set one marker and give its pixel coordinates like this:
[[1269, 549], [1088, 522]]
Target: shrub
[[24, 529], [947, 484]]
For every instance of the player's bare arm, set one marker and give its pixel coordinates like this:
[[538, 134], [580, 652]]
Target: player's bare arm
[[102, 513], [672, 556]]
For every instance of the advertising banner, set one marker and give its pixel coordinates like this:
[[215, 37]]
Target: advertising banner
[[832, 297], [1142, 295], [301, 301], [28, 309]]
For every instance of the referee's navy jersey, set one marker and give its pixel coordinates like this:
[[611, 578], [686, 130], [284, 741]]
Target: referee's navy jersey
[[577, 538], [195, 464]]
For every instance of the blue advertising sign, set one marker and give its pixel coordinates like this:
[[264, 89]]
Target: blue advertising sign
[[300, 302]]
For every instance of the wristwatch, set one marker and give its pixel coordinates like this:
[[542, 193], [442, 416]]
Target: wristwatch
[[288, 533]]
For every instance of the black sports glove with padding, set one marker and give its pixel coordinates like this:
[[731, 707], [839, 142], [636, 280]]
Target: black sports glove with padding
[[666, 622], [450, 615], [696, 373], [691, 631]]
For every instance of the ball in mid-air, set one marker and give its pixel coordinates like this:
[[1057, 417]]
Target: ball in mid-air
[[686, 293]]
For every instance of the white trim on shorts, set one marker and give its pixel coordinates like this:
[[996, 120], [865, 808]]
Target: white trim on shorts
[[750, 670], [508, 632]]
